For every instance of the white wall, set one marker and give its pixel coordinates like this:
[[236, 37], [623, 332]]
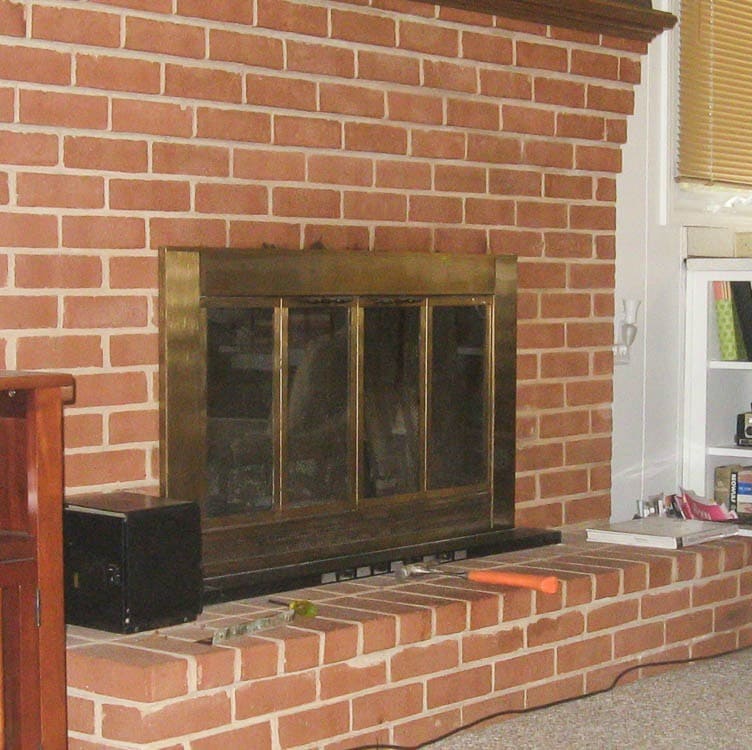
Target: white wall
[[647, 391]]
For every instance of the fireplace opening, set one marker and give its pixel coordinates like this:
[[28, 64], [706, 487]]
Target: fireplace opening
[[335, 414]]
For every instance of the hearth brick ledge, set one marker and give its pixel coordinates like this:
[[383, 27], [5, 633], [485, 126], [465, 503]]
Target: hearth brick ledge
[[406, 662]]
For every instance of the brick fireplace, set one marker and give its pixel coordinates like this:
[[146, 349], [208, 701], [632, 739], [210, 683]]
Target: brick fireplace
[[127, 125], [398, 126]]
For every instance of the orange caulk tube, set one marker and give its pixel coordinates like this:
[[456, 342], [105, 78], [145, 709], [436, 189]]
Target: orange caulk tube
[[546, 584]]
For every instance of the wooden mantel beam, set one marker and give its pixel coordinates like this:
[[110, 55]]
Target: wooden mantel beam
[[631, 19]]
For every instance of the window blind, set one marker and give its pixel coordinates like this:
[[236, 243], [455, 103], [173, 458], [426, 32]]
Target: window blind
[[715, 92]]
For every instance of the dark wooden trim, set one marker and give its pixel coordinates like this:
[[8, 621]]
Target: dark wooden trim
[[630, 19]]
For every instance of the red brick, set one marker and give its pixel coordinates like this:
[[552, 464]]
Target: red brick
[[258, 50], [340, 170], [385, 139], [336, 236], [236, 125], [129, 673], [438, 144], [545, 56], [268, 165], [489, 211], [593, 217], [460, 239], [610, 100], [58, 271], [80, 715], [428, 38], [558, 690], [380, 66], [292, 16], [59, 352], [612, 615], [376, 206], [588, 451], [478, 646], [76, 26], [133, 427], [279, 92], [59, 190], [28, 230], [83, 430], [321, 59], [420, 660], [440, 74], [557, 91], [519, 670], [459, 685], [541, 214], [506, 84], [108, 466], [305, 202], [131, 724], [129, 349], [180, 158], [258, 657], [540, 456], [598, 159], [353, 26], [411, 107], [216, 198], [118, 74], [232, 11], [487, 48], [35, 65], [540, 395], [256, 735], [105, 154], [402, 238], [689, 625], [111, 311], [515, 182], [63, 109], [102, 232], [164, 38], [313, 725], [547, 153], [345, 679], [587, 652], [345, 99], [417, 732], [156, 118], [528, 120], [388, 705], [589, 392], [150, 195], [453, 178], [12, 19], [203, 83], [427, 208], [402, 174], [320, 132], [194, 232], [638, 639], [261, 697], [550, 630]]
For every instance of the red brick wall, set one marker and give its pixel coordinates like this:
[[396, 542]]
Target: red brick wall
[[125, 126]]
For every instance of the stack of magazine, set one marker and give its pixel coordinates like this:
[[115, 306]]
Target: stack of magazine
[[688, 520]]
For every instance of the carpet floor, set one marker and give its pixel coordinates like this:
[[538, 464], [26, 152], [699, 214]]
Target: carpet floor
[[705, 705]]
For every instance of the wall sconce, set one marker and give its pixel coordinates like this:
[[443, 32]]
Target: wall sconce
[[626, 331]]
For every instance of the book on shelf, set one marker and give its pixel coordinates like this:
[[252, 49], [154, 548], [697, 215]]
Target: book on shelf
[[664, 532], [730, 341], [741, 293]]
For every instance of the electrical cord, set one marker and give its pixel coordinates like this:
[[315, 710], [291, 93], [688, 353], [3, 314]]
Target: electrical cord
[[561, 702]]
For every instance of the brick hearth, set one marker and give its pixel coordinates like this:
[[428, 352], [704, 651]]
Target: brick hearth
[[406, 662]]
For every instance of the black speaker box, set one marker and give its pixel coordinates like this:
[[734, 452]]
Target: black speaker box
[[132, 561]]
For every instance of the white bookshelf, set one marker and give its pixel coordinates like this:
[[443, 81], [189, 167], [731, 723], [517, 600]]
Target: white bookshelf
[[714, 391]]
